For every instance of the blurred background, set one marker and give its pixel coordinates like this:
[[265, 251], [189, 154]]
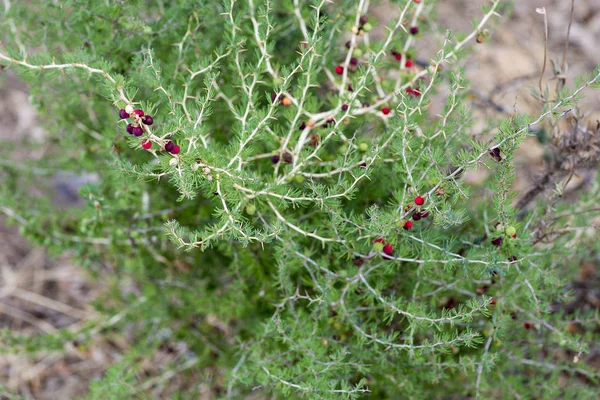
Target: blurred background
[[41, 294]]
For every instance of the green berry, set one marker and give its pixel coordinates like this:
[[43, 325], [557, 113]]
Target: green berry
[[378, 247], [343, 149], [363, 147], [367, 27], [510, 231], [277, 81], [250, 209], [299, 178], [357, 53]]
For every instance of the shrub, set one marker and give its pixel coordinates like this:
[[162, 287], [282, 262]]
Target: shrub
[[292, 211]]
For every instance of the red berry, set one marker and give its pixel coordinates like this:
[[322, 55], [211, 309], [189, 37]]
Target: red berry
[[175, 150], [398, 57], [414, 30], [528, 325], [385, 110], [169, 146], [379, 240], [339, 70], [123, 114], [493, 302], [419, 201], [146, 144], [409, 63], [514, 236], [140, 113], [387, 249], [408, 225], [147, 120]]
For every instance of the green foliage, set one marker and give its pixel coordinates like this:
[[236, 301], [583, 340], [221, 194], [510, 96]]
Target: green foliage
[[289, 299]]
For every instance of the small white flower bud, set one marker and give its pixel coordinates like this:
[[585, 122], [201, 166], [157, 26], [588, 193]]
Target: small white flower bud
[[129, 108], [195, 167], [173, 162], [210, 178], [206, 170]]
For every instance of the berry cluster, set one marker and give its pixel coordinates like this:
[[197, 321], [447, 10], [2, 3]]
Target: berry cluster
[[509, 231], [379, 245], [139, 124], [417, 215], [139, 121]]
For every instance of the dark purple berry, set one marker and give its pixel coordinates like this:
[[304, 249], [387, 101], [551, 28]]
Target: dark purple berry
[[359, 262], [414, 30], [416, 216], [366, 104], [302, 126], [350, 88], [498, 241], [512, 259], [348, 44], [123, 114], [169, 146], [363, 20], [137, 131], [344, 107], [275, 159], [287, 158], [424, 214], [273, 96], [129, 129], [354, 61], [147, 120], [495, 154]]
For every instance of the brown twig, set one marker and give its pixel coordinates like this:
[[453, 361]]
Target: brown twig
[[564, 58], [543, 12]]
